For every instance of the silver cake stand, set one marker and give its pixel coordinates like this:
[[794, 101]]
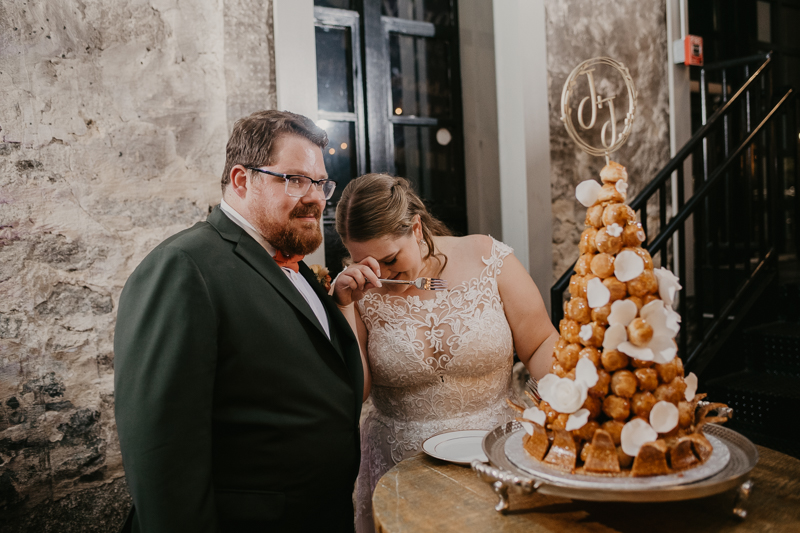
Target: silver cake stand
[[735, 456]]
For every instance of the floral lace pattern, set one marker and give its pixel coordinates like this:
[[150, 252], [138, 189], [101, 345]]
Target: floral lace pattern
[[438, 363]]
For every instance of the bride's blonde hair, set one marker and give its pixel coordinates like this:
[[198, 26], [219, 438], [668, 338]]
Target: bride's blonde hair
[[376, 205]]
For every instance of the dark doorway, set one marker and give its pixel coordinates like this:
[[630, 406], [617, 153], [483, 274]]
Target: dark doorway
[[389, 91]]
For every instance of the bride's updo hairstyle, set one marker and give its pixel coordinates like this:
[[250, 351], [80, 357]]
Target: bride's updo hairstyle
[[376, 205]]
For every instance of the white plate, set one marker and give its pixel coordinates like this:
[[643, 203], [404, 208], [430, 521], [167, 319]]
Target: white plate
[[459, 447]]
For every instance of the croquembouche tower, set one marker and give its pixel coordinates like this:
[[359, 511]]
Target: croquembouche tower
[[616, 400]]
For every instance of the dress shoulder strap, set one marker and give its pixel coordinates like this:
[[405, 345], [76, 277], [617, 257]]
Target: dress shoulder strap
[[494, 262]]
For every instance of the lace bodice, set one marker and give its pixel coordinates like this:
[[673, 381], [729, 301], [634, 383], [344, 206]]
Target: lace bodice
[[438, 362]]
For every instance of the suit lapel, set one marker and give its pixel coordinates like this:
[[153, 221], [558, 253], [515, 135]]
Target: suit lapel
[[258, 258], [336, 321], [343, 334]]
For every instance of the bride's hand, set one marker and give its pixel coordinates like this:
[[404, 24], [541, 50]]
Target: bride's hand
[[350, 285]]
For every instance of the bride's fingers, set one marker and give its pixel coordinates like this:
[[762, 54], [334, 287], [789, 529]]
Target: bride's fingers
[[358, 277], [371, 277], [373, 264]]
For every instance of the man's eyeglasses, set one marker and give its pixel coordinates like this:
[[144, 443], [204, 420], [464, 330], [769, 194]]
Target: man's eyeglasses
[[298, 185]]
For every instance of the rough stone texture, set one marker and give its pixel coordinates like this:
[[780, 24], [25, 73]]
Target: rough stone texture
[[98, 510], [634, 33], [113, 123]]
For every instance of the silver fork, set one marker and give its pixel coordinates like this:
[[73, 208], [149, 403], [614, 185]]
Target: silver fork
[[425, 284], [533, 386]]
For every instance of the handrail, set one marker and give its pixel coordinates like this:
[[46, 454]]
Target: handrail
[[738, 62], [702, 192], [696, 139], [693, 359]]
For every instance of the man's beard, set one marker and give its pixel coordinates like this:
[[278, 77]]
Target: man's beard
[[292, 241]]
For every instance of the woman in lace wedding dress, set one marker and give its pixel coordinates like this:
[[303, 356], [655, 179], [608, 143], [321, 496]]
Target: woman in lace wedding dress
[[433, 360]]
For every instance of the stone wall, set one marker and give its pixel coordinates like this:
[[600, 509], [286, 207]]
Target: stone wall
[[633, 32], [113, 123]]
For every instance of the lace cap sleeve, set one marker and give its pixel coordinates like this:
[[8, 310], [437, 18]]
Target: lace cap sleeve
[[500, 251]]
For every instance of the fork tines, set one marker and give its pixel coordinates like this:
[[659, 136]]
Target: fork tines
[[435, 284], [533, 386]]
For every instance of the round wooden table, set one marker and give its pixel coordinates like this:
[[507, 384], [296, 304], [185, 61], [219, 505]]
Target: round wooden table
[[422, 494]]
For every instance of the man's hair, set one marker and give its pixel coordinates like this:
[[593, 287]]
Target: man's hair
[[252, 140]]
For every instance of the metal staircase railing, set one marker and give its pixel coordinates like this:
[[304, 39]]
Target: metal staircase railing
[[721, 239]]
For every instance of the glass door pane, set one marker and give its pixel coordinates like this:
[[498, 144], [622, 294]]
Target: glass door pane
[[334, 69], [435, 11], [429, 157], [420, 76], [339, 4]]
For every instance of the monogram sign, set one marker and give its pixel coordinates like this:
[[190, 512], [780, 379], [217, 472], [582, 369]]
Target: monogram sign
[[596, 106]]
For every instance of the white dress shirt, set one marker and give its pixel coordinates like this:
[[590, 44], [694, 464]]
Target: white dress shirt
[[296, 279]]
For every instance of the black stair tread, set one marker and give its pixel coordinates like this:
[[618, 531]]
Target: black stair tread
[[781, 328], [759, 383]]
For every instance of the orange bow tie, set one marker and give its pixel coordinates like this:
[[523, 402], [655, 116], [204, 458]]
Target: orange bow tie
[[288, 261]]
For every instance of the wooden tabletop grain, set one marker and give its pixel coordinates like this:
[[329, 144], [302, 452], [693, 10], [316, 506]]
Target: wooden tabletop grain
[[422, 494]]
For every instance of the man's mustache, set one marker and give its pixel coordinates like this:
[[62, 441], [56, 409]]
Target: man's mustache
[[305, 211]]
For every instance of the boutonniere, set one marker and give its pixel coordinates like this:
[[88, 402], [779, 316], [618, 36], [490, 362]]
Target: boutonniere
[[323, 276]]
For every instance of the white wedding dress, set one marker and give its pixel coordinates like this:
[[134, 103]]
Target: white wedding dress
[[438, 363]]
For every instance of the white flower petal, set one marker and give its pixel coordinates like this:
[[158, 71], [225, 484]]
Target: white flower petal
[[642, 354], [628, 265], [565, 396], [663, 320], [673, 321], [634, 434], [615, 335], [691, 386], [656, 315], [668, 285], [622, 312], [586, 332], [528, 427], [577, 419], [534, 414], [597, 294], [663, 348], [622, 186], [615, 230], [586, 372], [664, 417], [587, 192], [546, 383]]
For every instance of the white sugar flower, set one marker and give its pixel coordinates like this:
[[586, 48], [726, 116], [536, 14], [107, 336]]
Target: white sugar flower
[[615, 230], [586, 373], [635, 434], [563, 394], [627, 266], [597, 294], [622, 312], [533, 414], [664, 417], [587, 192], [691, 386], [661, 318], [577, 419], [661, 348], [668, 285], [615, 335], [586, 332], [622, 186], [673, 320]]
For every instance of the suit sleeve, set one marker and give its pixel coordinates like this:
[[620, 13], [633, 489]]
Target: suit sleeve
[[165, 357]]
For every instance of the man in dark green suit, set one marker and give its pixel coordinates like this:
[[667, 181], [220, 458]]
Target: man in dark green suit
[[238, 382]]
